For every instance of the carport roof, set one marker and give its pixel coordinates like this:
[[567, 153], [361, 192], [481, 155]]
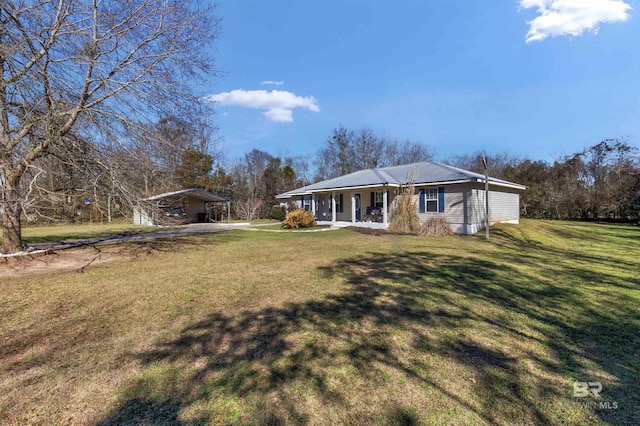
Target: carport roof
[[198, 193]]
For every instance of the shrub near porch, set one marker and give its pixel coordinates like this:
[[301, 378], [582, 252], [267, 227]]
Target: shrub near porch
[[299, 218]]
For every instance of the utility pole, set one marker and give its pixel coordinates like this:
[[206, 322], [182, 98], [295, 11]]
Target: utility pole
[[486, 196]]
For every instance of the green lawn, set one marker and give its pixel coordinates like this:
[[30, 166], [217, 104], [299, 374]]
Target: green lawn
[[333, 328], [278, 227], [42, 233]]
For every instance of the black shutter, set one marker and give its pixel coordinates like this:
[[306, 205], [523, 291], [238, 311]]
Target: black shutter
[[441, 199]]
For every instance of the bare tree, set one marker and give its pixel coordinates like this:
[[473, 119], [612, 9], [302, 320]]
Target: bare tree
[[247, 209], [302, 167], [608, 173], [500, 164], [100, 69], [336, 158], [347, 151], [61, 180], [407, 152], [368, 149], [259, 175]]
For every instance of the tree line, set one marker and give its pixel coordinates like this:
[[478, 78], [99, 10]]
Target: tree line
[[601, 182], [98, 110]]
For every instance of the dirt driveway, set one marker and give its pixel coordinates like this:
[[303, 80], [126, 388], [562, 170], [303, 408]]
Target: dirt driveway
[[76, 255]]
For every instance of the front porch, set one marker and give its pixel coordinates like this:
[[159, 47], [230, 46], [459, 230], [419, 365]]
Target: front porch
[[345, 224], [362, 207]]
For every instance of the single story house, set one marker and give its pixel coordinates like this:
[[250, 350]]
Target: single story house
[[180, 207], [366, 198]]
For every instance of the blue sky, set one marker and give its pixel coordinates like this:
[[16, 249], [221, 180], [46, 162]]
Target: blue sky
[[537, 78]]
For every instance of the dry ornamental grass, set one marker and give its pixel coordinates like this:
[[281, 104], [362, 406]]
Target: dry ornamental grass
[[435, 227], [404, 216]]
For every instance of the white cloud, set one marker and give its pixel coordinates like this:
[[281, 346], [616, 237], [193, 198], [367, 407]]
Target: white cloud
[[281, 115], [572, 17], [278, 103], [275, 83]]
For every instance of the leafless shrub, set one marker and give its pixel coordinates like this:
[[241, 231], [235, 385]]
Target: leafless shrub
[[435, 227]]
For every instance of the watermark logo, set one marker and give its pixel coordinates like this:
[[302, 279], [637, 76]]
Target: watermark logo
[[584, 389], [590, 394]]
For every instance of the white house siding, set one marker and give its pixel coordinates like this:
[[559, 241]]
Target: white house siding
[[346, 209], [464, 206], [455, 197], [476, 205], [504, 205], [454, 201]]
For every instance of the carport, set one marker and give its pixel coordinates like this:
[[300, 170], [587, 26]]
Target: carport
[[181, 207]]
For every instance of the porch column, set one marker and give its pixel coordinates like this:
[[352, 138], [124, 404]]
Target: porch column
[[353, 207], [333, 207], [313, 204], [385, 219]]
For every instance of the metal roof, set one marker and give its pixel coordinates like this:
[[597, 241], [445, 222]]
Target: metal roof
[[427, 172], [198, 193]]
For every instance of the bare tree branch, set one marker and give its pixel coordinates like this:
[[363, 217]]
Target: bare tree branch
[[102, 71]]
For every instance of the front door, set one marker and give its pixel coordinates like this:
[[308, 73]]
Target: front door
[[358, 207]]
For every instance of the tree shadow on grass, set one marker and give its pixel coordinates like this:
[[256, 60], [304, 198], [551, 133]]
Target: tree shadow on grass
[[573, 264], [349, 357]]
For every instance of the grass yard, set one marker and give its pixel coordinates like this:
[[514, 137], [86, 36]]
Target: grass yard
[[42, 233], [333, 328], [278, 227]]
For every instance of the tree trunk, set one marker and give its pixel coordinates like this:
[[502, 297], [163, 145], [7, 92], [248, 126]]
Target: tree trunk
[[11, 231]]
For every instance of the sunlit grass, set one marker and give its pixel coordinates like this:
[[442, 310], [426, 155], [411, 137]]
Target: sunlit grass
[[42, 233], [280, 227], [333, 328]]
